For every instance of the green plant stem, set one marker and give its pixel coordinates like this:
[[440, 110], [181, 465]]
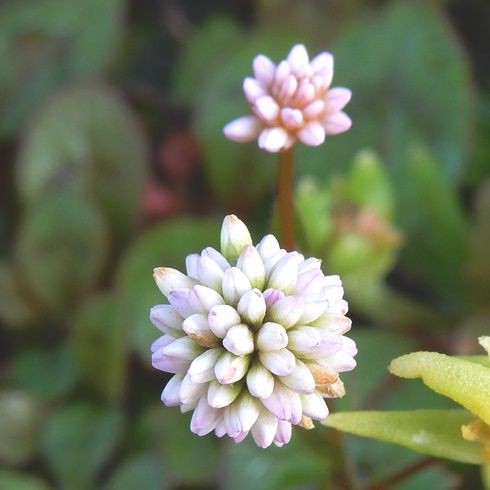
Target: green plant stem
[[403, 474], [285, 177]]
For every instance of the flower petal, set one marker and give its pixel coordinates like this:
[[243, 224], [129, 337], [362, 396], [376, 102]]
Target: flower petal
[[312, 134], [243, 129], [337, 123]]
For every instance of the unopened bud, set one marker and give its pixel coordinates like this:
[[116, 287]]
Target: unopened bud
[[234, 236]]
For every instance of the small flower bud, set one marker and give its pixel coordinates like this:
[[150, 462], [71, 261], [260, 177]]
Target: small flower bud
[[161, 342], [179, 300], [271, 296], [209, 273], [221, 318], [250, 263], [220, 396], [267, 247], [309, 264], [334, 322], [300, 380], [230, 368], [273, 260], [264, 430], [201, 369], [314, 406], [241, 415], [205, 418], [184, 348], [168, 279], [202, 299], [283, 434], [171, 392], [280, 362], [322, 374], [284, 274], [332, 390], [234, 236], [197, 328], [234, 285], [216, 257], [260, 381], [168, 363], [306, 423], [309, 282], [190, 391], [287, 311], [284, 404], [271, 337], [239, 340], [167, 320], [191, 265], [252, 307]]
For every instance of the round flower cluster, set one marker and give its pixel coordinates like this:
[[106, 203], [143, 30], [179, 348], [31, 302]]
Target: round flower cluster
[[254, 335], [291, 101]]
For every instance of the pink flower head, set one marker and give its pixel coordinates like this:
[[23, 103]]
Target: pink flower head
[[291, 101]]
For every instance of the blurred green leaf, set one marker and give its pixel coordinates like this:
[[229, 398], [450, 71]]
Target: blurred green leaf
[[15, 310], [45, 43], [367, 184], [61, 249], [203, 54], [313, 212], [467, 383], [477, 266], [434, 432], [86, 140], [398, 96], [293, 466], [46, 373], [165, 245], [436, 227], [143, 472], [188, 459], [12, 480], [100, 342], [20, 418], [77, 441]]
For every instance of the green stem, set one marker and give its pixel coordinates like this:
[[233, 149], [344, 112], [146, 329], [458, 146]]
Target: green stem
[[285, 177]]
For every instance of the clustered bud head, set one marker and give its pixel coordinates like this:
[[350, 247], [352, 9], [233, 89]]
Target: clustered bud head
[[254, 336], [291, 101]]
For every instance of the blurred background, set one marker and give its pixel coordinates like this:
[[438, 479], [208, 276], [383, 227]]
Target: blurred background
[[112, 162]]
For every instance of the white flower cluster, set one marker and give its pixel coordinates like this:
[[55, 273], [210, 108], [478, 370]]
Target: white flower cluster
[[254, 335], [291, 101]]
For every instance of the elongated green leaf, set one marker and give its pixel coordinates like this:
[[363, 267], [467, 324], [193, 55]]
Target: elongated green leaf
[[61, 249], [45, 43], [86, 140], [12, 480], [434, 432], [467, 383], [100, 342], [77, 441]]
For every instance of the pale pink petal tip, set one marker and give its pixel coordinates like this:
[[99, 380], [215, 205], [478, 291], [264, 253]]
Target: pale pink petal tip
[[337, 123], [273, 139], [313, 134], [337, 98], [243, 129], [264, 69], [298, 57]]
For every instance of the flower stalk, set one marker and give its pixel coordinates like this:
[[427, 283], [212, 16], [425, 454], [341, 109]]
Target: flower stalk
[[285, 178]]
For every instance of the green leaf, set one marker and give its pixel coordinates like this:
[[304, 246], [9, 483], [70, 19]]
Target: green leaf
[[368, 185], [165, 245], [61, 249], [77, 441], [19, 426], [100, 342], [142, 472], [204, 54], [436, 228], [189, 460], [86, 140], [477, 266], [13, 480], [15, 310], [46, 43], [293, 466], [46, 373], [467, 383], [398, 96], [433, 432], [313, 213]]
